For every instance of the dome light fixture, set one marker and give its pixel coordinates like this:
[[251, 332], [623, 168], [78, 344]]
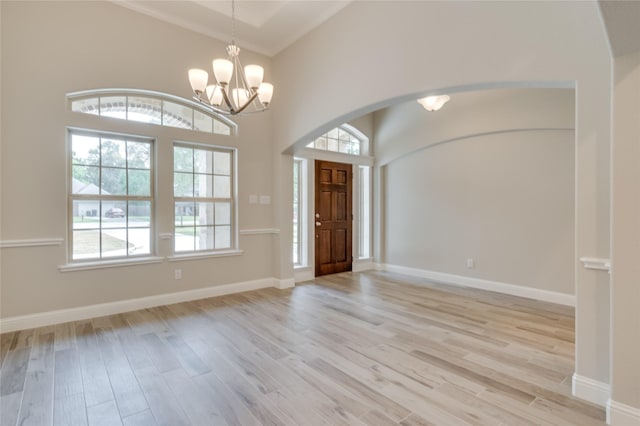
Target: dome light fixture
[[237, 90], [433, 103]]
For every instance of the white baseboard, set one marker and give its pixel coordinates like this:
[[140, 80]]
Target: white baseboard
[[590, 390], [285, 283], [459, 280], [92, 311], [363, 265], [619, 414], [303, 274]]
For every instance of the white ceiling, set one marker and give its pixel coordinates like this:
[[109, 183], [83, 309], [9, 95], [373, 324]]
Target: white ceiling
[[264, 26]]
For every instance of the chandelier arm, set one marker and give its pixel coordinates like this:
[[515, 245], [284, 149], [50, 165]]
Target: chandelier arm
[[226, 99], [238, 111]]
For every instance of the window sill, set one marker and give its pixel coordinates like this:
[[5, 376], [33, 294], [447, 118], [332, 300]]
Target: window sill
[[301, 267], [85, 266], [192, 256]]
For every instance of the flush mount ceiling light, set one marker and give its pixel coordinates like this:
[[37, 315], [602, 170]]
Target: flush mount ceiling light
[[237, 90], [433, 103]]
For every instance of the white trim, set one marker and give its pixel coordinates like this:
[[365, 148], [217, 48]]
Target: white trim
[[619, 414], [204, 255], [363, 265], [512, 289], [338, 157], [284, 283], [303, 274], [36, 242], [259, 231], [590, 390], [596, 263], [85, 266], [92, 311], [167, 236]]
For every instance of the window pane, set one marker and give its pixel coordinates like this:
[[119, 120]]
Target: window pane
[[139, 182], [139, 214], [183, 185], [86, 106], [114, 181], [223, 214], [182, 159], [223, 237], [114, 214], [184, 239], [203, 186], [220, 128], [222, 163], [321, 142], [139, 241], [85, 180], [204, 238], [113, 106], [343, 136], [355, 148], [85, 150], [86, 244], [114, 243], [332, 145], [86, 214], [345, 148], [204, 212], [176, 115], [202, 122], [333, 133], [184, 214], [144, 110], [139, 155], [221, 187], [202, 161], [113, 153]]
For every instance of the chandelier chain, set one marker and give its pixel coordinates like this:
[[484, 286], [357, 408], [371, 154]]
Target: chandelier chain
[[233, 22]]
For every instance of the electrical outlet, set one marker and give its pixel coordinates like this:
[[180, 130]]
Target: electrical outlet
[[178, 274], [470, 263]]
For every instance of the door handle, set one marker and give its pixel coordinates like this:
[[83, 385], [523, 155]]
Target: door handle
[[318, 223], [317, 215]]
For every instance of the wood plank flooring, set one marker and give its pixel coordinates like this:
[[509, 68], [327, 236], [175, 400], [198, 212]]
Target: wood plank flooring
[[371, 348]]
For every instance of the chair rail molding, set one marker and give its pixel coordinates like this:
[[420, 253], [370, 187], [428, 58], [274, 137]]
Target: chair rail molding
[[596, 263], [35, 242]]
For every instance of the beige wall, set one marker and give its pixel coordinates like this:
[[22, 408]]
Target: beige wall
[[625, 245], [490, 177], [49, 49]]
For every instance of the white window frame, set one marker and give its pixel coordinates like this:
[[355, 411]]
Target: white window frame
[[234, 239], [162, 97], [100, 198]]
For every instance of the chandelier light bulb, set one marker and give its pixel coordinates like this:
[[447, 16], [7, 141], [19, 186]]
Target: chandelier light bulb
[[198, 79], [223, 70], [214, 94], [434, 103], [265, 93], [239, 97], [254, 75]]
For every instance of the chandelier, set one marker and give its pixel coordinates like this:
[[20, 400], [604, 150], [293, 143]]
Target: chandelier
[[237, 90]]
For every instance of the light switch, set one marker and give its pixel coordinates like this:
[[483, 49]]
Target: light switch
[[265, 199]]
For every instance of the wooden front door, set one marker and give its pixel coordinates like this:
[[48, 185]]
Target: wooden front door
[[333, 217]]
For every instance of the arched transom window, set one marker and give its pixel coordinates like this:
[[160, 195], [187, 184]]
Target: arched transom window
[[344, 139], [145, 106]]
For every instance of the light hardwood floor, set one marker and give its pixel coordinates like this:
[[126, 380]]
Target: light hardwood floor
[[367, 348]]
